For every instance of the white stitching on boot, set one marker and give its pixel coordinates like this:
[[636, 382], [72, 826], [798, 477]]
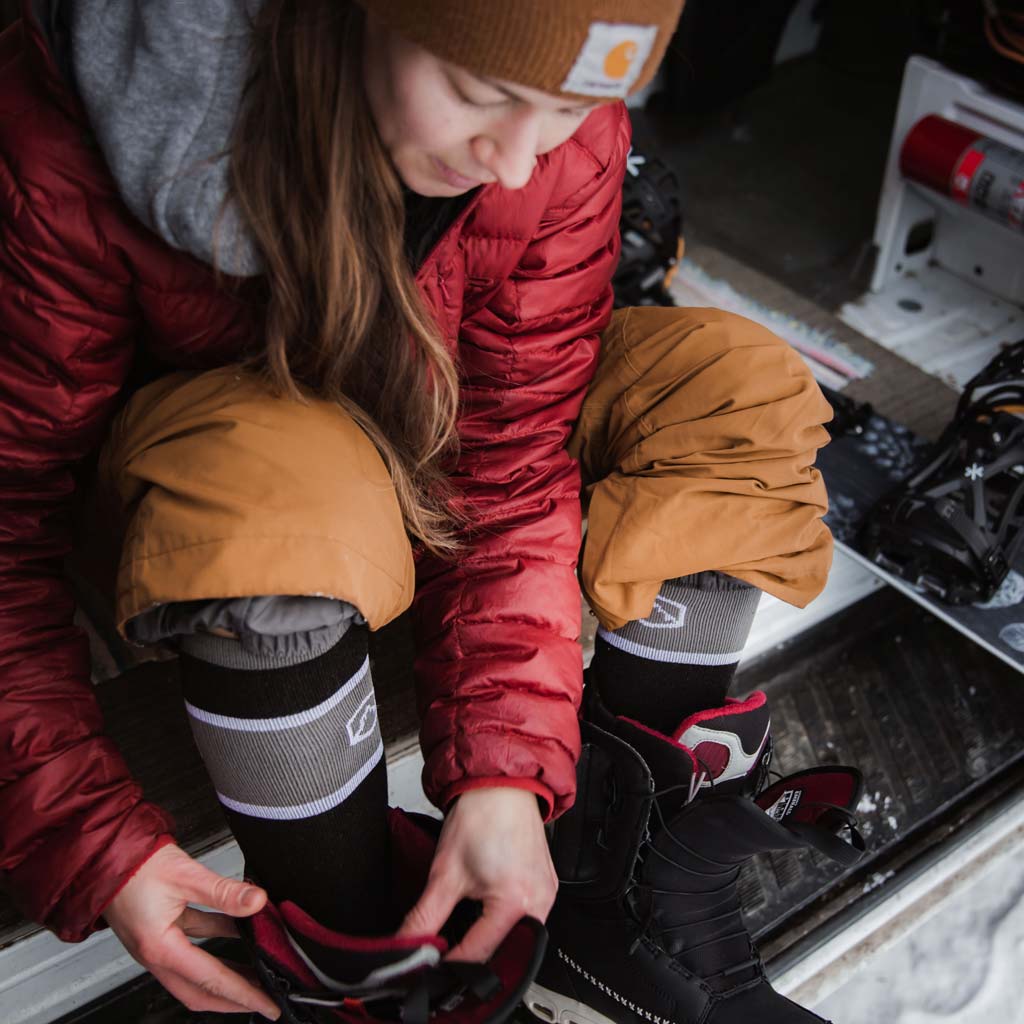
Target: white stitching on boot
[[653, 1017]]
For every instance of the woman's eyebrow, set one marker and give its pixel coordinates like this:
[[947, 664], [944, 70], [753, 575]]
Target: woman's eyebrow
[[502, 89], [514, 95]]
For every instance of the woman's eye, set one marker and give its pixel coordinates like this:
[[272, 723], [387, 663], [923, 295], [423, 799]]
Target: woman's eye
[[477, 101]]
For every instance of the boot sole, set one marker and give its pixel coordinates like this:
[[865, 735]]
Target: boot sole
[[555, 1008]]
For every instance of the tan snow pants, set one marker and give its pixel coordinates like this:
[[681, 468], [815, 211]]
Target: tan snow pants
[[696, 442]]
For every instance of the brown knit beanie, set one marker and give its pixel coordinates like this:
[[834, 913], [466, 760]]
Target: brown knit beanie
[[586, 49]]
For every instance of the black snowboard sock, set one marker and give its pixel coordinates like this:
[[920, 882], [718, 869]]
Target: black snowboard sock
[[680, 659], [295, 754]]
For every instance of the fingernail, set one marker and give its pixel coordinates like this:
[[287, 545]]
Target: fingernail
[[250, 897]]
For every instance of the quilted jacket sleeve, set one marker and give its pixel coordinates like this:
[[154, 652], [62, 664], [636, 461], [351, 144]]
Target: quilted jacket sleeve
[[73, 825], [499, 667]]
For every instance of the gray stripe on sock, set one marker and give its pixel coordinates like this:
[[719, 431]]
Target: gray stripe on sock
[[314, 807], [295, 761], [703, 619]]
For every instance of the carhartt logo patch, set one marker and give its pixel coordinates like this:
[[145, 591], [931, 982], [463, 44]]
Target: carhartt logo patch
[[611, 60]]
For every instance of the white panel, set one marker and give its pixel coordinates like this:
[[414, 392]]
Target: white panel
[[964, 239]]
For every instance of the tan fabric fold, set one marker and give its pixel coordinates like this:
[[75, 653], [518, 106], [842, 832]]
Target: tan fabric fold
[[220, 490], [697, 441]]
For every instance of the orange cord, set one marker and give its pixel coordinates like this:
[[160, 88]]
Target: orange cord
[[1012, 48]]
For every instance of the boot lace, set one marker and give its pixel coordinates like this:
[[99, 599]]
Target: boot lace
[[718, 905], [641, 898]]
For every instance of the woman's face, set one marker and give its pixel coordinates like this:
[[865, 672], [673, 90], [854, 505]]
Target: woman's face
[[448, 130]]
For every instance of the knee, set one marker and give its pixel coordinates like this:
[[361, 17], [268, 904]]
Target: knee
[[228, 491], [709, 364]]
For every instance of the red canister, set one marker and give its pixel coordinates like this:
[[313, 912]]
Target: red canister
[[968, 166]]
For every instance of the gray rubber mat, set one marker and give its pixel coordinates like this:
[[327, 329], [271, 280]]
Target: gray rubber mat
[[928, 717]]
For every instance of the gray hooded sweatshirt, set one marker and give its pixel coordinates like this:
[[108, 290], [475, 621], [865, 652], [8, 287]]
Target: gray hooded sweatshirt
[[161, 81]]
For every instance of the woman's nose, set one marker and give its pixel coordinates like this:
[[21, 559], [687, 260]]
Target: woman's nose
[[509, 152]]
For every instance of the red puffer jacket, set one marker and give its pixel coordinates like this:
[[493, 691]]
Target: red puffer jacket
[[520, 284]]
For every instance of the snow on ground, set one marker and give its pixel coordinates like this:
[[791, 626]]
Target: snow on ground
[[964, 964]]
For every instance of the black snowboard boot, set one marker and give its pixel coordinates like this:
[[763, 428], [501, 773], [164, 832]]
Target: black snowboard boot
[[647, 925]]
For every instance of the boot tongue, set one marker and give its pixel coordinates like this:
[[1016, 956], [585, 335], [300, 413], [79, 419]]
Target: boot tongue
[[728, 744]]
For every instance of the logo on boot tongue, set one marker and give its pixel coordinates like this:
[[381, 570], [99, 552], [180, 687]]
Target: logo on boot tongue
[[785, 805]]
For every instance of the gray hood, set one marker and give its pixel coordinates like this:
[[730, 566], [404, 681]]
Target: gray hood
[[162, 81]]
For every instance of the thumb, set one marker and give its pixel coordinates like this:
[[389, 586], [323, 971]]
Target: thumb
[[229, 896], [433, 908]]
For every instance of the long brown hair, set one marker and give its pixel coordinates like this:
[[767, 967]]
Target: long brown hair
[[344, 317]]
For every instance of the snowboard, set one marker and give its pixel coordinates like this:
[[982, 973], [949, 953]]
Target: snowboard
[[868, 456]]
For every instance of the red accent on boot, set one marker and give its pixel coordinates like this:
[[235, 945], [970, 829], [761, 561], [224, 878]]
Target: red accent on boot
[[297, 920]]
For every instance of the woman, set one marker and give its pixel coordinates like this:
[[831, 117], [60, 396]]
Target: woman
[[376, 241]]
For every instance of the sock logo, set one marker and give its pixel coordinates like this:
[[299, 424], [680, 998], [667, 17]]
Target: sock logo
[[363, 724], [666, 614]]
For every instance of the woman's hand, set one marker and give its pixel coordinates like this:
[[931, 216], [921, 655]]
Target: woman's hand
[[492, 849], [151, 917]]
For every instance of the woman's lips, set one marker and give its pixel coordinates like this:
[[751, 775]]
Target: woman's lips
[[453, 177]]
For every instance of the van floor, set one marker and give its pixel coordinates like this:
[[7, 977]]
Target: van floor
[[786, 179]]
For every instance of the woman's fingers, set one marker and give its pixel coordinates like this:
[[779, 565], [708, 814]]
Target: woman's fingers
[[212, 977], [202, 924], [151, 917], [434, 906], [206, 887], [487, 934], [195, 997]]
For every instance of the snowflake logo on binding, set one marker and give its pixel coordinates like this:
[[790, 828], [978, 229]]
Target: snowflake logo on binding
[[974, 471], [363, 724], [634, 161]]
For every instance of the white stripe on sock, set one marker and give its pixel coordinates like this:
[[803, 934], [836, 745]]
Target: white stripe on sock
[[284, 721], [308, 810], [675, 657]]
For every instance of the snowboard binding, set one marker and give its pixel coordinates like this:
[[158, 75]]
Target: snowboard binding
[[651, 227], [953, 527]]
